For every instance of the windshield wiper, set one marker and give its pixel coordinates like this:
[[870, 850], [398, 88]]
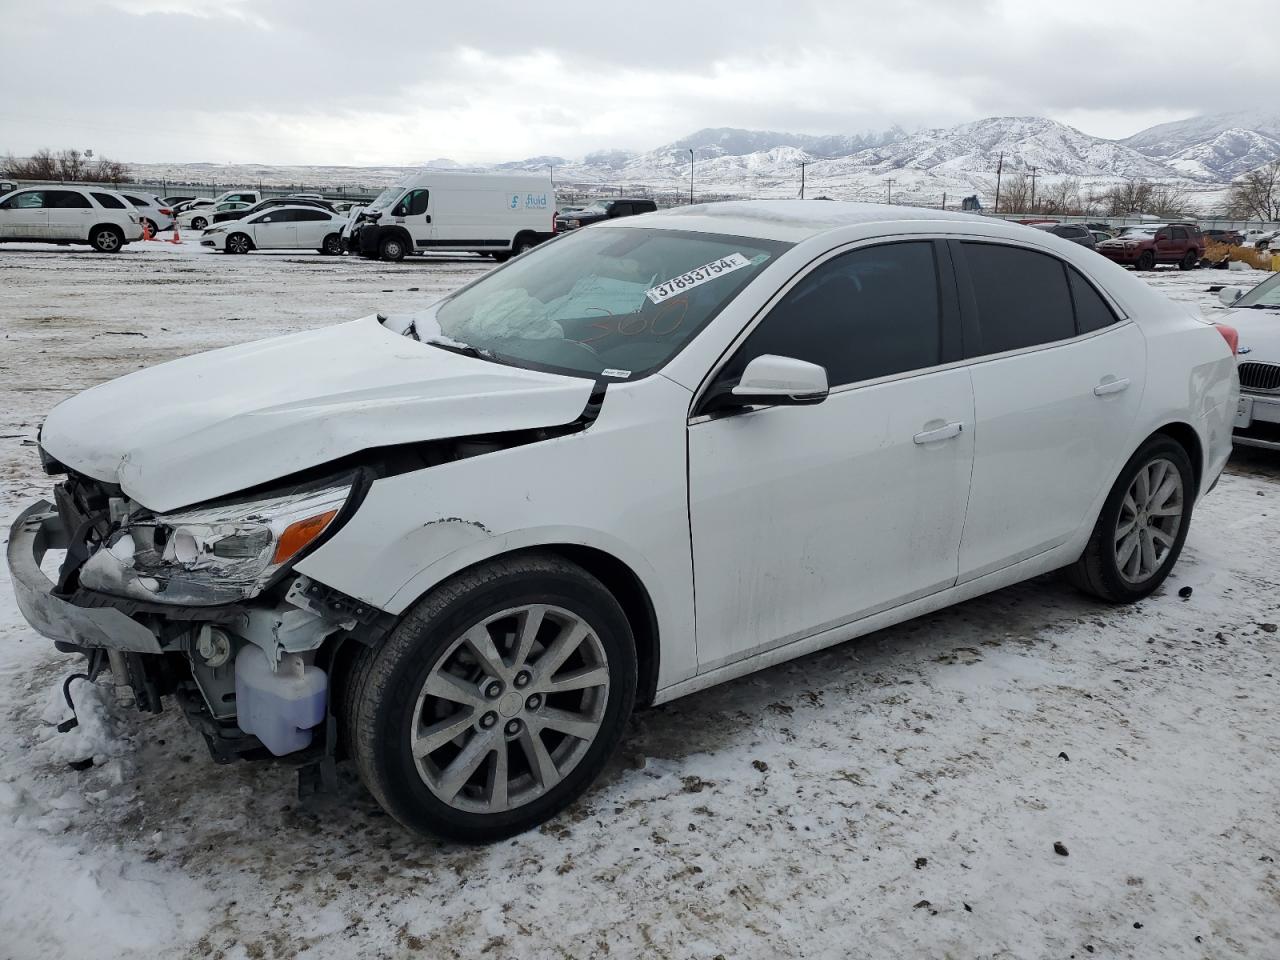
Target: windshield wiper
[[454, 346], [1260, 306]]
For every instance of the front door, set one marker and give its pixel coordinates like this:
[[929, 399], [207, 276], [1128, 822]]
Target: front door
[[806, 518], [413, 212], [22, 215], [275, 229], [1054, 404]]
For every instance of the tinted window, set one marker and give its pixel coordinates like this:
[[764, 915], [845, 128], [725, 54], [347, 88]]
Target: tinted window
[[66, 200], [108, 201], [310, 215], [1179, 233], [866, 314], [28, 200], [275, 216], [1092, 312], [1021, 295], [417, 202], [620, 210], [136, 201]]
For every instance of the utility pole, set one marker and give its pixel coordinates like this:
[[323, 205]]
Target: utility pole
[[890, 182], [999, 172], [944, 200], [1033, 188], [803, 163], [691, 176], [553, 173]]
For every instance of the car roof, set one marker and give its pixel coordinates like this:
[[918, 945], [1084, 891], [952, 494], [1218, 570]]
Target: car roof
[[289, 206], [796, 220]]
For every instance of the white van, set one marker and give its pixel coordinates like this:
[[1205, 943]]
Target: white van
[[501, 215]]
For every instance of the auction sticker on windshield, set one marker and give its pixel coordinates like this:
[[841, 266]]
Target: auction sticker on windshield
[[695, 278]]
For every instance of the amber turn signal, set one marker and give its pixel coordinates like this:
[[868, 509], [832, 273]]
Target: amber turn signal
[[300, 533]]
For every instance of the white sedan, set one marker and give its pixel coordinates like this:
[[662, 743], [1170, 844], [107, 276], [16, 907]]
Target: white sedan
[[279, 228], [470, 535]]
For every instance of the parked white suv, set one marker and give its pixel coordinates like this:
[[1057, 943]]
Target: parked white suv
[[58, 214], [468, 537], [152, 211]]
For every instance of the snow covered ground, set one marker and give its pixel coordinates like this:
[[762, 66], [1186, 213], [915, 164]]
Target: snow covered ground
[[898, 796]]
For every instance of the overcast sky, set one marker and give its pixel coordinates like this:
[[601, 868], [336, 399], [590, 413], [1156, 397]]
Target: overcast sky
[[338, 82]]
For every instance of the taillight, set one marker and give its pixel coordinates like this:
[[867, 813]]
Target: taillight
[[1231, 335], [553, 221], [165, 212]]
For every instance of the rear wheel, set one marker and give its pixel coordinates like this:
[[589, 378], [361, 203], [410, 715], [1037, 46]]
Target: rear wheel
[[1189, 261], [1147, 261], [1142, 526], [239, 243], [106, 239], [332, 245], [496, 701], [392, 248]]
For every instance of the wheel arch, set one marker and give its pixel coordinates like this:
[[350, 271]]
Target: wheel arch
[[1189, 440], [618, 577], [400, 233], [107, 225], [530, 235]]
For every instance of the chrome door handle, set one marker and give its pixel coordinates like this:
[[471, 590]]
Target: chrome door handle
[[1111, 386], [941, 433]]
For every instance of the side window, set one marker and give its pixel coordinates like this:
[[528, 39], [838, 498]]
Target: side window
[[136, 201], [108, 201], [1092, 312], [1179, 233], [869, 313], [1021, 295], [646, 206], [310, 215], [1162, 235], [28, 200], [66, 200], [416, 202], [620, 210]]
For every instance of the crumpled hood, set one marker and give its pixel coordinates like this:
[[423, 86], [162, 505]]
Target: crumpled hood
[[211, 424]]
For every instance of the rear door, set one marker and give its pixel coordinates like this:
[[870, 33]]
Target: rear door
[[313, 226], [1057, 380], [1166, 250], [23, 216], [70, 214]]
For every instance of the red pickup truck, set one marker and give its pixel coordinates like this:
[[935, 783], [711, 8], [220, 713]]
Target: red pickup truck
[[1144, 246]]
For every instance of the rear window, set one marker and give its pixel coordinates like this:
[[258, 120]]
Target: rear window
[[1022, 297], [1092, 312]]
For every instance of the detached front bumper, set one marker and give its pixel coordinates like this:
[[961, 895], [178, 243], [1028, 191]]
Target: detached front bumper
[[37, 530]]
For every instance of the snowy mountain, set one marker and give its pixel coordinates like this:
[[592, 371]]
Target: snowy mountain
[[735, 142], [1049, 146], [1221, 146]]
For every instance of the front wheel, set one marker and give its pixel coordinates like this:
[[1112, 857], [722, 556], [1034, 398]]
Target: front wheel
[[496, 701], [199, 223], [1189, 261], [1142, 526], [239, 243], [1147, 261], [392, 249], [332, 245]]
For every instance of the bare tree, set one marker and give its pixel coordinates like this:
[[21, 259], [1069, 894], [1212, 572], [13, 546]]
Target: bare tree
[[1256, 194], [64, 165], [1062, 198], [1015, 193], [1142, 196]]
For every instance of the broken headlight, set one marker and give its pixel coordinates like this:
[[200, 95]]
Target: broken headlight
[[212, 555]]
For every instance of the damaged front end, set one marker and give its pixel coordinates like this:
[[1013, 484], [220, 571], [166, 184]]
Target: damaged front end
[[202, 604]]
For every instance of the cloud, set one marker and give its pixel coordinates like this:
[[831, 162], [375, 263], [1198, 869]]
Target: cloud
[[330, 82]]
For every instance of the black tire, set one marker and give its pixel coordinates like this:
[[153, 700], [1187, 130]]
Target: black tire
[[332, 245], [522, 243], [1188, 262], [1147, 261], [392, 249], [106, 238], [199, 223], [1097, 572], [383, 689], [238, 243], [502, 256]]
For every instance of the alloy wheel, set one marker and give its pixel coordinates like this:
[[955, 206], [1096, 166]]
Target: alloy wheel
[[108, 240], [510, 709], [1150, 517]]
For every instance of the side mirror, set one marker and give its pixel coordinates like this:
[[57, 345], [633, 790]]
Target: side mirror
[[399, 211], [1229, 295], [775, 381]]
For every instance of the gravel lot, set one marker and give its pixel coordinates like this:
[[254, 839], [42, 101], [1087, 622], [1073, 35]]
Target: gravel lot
[[898, 796]]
